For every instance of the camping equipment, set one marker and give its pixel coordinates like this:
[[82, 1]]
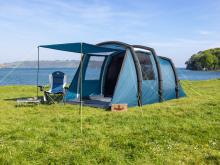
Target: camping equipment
[[122, 74], [57, 81], [28, 101]]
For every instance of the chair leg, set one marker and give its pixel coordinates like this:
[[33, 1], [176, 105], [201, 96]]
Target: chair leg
[[45, 97], [63, 95], [48, 98]]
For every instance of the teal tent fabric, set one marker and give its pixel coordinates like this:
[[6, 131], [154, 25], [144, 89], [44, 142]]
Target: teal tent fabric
[[126, 88], [169, 84], [181, 91], [90, 87], [79, 48], [150, 87]]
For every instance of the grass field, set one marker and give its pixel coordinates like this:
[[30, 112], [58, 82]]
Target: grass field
[[183, 131]]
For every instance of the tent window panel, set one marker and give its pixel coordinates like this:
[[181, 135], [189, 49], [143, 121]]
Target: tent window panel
[[146, 65], [93, 70]]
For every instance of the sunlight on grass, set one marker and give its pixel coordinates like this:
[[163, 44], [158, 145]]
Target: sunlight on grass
[[180, 131]]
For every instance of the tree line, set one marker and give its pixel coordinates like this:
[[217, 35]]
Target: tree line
[[205, 60]]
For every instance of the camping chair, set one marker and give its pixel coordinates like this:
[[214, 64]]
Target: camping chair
[[57, 81]]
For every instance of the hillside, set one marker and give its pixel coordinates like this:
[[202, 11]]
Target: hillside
[[205, 60], [46, 64], [182, 131]]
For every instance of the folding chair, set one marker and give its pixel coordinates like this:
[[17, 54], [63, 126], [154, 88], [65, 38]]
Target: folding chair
[[57, 81]]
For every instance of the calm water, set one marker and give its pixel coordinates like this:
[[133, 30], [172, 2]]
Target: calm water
[[28, 76]]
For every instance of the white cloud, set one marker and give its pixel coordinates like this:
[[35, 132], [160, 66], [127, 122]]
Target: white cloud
[[205, 32]]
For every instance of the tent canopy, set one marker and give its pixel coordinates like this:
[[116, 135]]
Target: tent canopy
[[80, 48]]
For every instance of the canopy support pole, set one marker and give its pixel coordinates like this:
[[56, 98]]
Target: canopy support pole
[[81, 81], [38, 65]]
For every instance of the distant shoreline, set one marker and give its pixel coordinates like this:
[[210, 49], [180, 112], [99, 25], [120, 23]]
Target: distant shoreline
[[46, 64], [40, 68], [68, 67]]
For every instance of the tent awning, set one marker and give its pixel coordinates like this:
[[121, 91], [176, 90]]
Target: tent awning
[[80, 48]]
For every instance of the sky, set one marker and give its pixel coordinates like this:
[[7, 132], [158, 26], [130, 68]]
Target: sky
[[174, 28]]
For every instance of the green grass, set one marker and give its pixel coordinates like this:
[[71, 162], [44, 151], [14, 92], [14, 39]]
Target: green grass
[[183, 131]]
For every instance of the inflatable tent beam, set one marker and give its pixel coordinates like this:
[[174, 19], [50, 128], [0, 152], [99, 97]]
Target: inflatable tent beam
[[160, 81]]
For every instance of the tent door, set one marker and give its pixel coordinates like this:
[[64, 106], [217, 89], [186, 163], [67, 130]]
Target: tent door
[[112, 73]]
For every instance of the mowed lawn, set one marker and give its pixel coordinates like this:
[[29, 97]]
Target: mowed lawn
[[182, 131]]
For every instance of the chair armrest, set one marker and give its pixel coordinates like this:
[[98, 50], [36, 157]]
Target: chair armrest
[[41, 87], [66, 89]]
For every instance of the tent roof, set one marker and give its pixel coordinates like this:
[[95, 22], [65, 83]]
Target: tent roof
[[79, 48]]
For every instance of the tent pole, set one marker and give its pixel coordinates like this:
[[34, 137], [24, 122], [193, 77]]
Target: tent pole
[[81, 77], [38, 65]]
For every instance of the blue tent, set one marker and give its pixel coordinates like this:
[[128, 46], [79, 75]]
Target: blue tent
[[121, 73]]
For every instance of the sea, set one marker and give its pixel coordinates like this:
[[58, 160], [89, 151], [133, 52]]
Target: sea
[[28, 76]]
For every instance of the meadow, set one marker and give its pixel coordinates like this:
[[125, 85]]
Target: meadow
[[180, 131]]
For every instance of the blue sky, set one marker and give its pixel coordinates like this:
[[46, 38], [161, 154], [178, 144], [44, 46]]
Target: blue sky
[[176, 29]]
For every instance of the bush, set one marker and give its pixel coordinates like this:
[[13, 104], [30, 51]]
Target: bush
[[205, 60]]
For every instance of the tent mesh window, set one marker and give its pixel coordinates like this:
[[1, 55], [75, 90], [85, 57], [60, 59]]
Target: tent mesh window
[[146, 65], [93, 71]]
